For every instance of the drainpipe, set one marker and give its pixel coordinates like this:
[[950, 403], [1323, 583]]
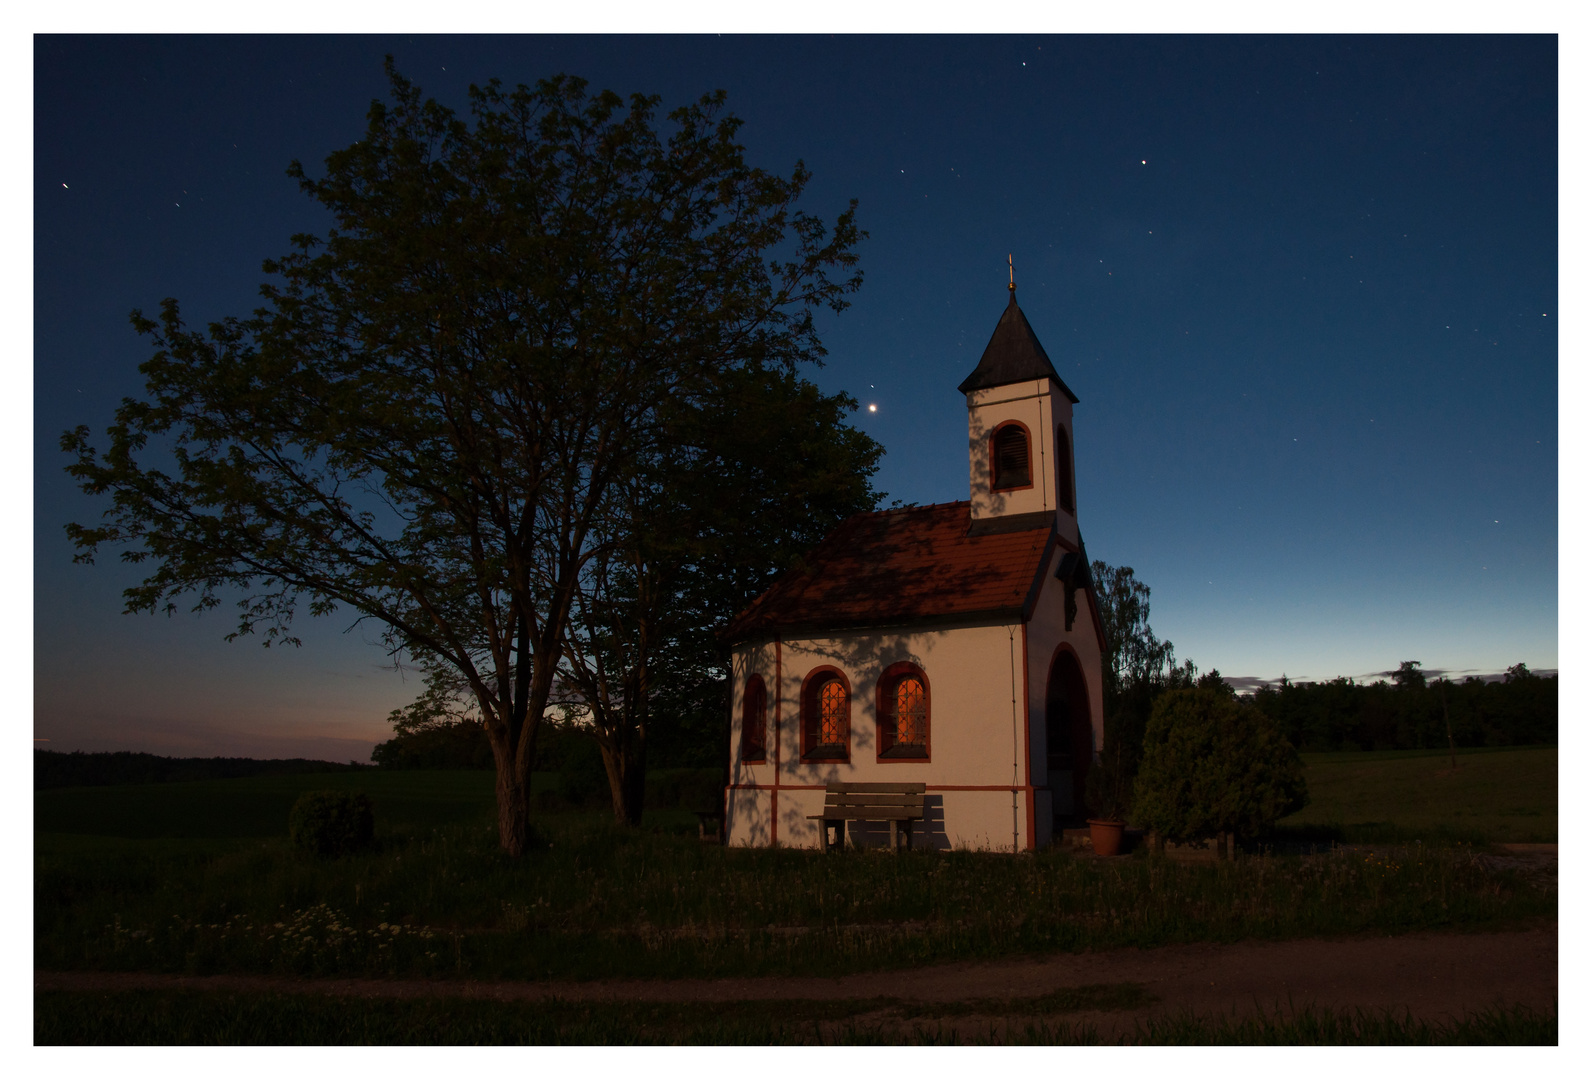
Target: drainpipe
[[1011, 637]]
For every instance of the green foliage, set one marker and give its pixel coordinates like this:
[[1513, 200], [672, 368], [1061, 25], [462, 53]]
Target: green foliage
[[461, 745], [1108, 793], [1212, 765], [1520, 710], [448, 410], [332, 823], [1138, 668]]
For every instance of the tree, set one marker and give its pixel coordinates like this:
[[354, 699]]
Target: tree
[[432, 420], [1409, 676], [1214, 764], [1133, 654], [757, 475], [1138, 667]]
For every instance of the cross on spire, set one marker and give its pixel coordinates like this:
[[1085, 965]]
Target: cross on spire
[[1011, 275]]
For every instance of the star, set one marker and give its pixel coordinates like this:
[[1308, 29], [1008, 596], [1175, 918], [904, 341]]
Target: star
[[873, 408]]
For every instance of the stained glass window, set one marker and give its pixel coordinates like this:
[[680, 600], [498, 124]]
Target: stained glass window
[[911, 712], [832, 710]]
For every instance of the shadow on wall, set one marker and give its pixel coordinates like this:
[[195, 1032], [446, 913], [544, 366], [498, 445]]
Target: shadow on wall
[[927, 835], [981, 476]]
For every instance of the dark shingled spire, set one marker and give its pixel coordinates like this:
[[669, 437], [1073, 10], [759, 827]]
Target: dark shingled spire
[[1013, 355]]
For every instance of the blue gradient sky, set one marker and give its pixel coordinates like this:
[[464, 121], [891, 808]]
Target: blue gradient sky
[[1305, 288]]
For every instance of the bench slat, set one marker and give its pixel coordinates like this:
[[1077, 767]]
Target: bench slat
[[853, 789], [873, 800], [883, 813]]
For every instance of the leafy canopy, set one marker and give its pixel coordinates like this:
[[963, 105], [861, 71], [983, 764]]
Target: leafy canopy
[[441, 407]]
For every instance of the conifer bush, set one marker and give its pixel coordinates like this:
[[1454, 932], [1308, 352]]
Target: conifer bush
[[1213, 764], [332, 822]]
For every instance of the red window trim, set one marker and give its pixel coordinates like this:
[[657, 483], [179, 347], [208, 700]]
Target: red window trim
[[1028, 438], [884, 711], [755, 753], [810, 719]]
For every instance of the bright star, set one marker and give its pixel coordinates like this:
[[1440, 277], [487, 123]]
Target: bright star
[[873, 408]]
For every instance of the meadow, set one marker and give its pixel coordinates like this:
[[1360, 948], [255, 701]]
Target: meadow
[[200, 878], [1508, 794]]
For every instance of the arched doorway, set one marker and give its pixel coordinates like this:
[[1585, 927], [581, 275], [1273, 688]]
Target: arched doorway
[[1069, 739]]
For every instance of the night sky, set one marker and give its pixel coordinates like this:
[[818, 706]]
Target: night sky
[[1305, 288]]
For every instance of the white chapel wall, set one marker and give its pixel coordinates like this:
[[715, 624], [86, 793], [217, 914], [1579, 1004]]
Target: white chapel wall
[[1040, 407], [973, 740]]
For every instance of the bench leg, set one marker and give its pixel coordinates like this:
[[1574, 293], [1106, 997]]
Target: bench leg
[[840, 835], [895, 842]]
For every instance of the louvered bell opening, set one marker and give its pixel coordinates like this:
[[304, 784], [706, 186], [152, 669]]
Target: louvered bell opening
[[1011, 458]]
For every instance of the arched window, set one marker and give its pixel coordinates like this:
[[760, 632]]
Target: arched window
[[1008, 451], [903, 713], [754, 721], [826, 717], [1064, 494]]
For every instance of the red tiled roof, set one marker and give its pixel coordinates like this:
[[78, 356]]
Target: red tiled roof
[[901, 566]]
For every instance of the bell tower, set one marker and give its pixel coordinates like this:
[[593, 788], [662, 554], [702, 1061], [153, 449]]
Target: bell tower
[[1019, 433]]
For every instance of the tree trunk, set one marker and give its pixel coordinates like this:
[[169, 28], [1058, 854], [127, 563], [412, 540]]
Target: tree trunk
[[514, 809], [1453, 760], [625, 762]]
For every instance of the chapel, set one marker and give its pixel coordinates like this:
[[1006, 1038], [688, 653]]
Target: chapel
[[958, 645]]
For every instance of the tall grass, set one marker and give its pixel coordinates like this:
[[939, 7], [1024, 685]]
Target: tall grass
[[594, 900], [195, 1018]]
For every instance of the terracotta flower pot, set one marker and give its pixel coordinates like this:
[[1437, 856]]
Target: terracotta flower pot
[[1105, 836]]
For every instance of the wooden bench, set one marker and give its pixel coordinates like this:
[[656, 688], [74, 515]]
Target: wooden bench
[[895, 803]]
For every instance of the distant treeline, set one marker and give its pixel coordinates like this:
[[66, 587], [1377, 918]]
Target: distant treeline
[[53, 769], [464, 745], [1407, 713]]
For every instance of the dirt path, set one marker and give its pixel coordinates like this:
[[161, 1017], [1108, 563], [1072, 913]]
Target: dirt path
[[1434, 976]]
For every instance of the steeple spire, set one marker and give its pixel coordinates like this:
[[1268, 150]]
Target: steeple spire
[[1013, 354]]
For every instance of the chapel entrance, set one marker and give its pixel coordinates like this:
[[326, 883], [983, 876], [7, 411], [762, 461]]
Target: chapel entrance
[[1069, 740]]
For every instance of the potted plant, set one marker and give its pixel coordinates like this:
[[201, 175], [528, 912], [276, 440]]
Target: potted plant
[[1106, 797]]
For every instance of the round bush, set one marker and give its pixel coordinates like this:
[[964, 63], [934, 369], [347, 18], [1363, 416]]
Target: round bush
[[332, 822], [1213, 764]]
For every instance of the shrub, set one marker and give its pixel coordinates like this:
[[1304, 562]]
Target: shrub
[[332, 822], [583, 779], [1213, 764], [684, 789]]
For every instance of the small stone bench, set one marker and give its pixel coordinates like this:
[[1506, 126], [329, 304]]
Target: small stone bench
[[895, 803]]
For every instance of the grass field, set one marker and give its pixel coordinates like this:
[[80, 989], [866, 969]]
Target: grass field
[[198, 1018], [1496, 795], [197, 878], [258, 806]]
